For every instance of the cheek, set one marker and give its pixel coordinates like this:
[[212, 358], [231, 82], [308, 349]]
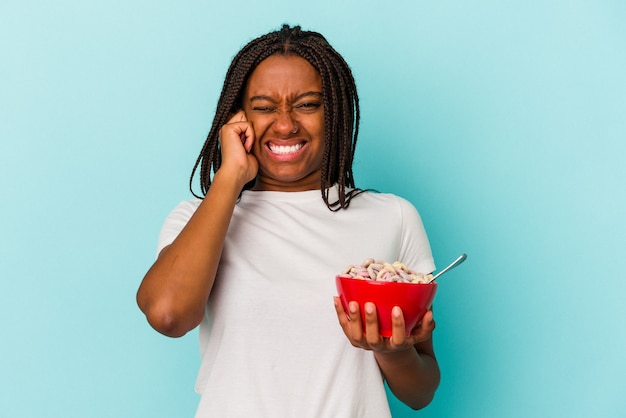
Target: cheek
[[260, 126], [315, 126]]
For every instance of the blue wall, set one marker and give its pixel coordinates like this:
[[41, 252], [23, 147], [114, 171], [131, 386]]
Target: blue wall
[[503, 122]]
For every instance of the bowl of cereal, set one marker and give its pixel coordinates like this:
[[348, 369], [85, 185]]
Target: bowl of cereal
[[387, 285]]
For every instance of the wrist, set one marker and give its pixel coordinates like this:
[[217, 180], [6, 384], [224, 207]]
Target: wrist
[[233, 178], [402, 358]]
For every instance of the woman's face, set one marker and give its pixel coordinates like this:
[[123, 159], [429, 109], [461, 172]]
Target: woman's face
[[283, 100]]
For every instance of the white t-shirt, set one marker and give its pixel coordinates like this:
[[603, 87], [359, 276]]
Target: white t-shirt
[[270, 342]]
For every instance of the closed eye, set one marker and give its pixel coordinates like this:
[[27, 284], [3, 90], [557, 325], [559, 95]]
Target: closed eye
[[309, 106], [263, 109]]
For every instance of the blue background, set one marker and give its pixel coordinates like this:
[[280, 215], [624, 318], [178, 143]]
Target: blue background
[[502, 121]]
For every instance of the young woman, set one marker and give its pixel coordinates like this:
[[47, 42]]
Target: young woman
[[252, 262]]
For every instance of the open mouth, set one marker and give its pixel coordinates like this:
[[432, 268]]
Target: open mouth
[[285, 149]]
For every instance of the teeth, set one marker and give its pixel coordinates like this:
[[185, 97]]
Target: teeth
[[282, 149]]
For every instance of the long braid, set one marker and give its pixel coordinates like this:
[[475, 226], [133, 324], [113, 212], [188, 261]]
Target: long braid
[[341, 108]]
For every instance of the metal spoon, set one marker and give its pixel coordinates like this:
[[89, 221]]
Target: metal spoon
[[455, 263]]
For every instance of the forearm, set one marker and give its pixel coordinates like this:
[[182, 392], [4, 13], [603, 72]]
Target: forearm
[[412, 375], [174, 292]]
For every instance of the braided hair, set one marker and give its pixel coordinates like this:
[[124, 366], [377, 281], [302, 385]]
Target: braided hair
[[341, 108]]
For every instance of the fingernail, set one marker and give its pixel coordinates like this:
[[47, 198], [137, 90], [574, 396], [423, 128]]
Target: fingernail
[[396, 312], [369, 308], [353, 307]]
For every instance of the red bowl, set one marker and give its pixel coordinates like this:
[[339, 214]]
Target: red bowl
[[413, 298]]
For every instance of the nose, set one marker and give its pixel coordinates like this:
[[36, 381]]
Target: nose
[[285, 125]]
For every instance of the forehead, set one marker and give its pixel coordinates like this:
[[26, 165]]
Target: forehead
[[283, 75]]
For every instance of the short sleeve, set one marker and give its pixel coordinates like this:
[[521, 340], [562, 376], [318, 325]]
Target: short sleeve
[[175, 222], [414, 247]]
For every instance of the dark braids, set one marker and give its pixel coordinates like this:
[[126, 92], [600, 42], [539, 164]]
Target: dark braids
[[341, 108]]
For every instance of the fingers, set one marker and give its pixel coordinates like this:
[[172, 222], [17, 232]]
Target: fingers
[[424, 330], [237, 128], [341, 314], [398, 329], [350, 322], [372, 334], [241, 115], [355, 329], [366, 334], [361, 334], [236, 139]]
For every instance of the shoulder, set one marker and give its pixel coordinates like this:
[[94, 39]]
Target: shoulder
[[176, 221], [384, 200], [184, 209], [391, 206]]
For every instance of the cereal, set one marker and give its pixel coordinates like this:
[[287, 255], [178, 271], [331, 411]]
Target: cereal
[[385, 272]]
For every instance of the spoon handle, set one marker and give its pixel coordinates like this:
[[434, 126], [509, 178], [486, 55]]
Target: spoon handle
[[455, 263]]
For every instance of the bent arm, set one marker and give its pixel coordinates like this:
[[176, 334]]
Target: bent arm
[[412, 375], [407, 363], [174, 292]]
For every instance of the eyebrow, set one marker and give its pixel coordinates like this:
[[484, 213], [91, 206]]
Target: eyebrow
[[300, 96]]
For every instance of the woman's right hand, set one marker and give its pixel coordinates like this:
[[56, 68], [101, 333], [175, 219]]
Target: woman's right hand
[[236, 139], [174, 293]]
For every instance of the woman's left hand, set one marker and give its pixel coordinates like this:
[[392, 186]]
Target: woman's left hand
[[371, 338]]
